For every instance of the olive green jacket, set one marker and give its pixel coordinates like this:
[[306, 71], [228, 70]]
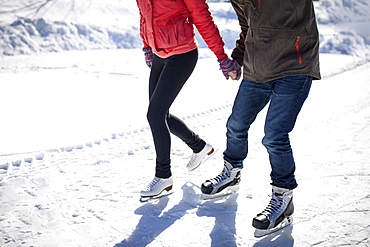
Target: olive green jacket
[[278, 38]]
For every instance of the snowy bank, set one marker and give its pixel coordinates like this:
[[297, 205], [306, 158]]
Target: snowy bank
[[28, 27]]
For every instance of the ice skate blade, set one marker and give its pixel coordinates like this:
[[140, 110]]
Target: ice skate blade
[[153, 198], [286, 222], [228, 191], [165, 189]]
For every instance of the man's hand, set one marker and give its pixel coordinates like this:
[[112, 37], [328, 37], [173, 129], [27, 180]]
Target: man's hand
[[230, 68], [233, 74]]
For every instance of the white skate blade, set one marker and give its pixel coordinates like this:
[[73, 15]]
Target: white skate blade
[[228, 191], [164, 193], [286, 222]]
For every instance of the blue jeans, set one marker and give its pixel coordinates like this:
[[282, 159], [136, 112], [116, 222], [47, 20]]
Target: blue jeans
[[286, 97]]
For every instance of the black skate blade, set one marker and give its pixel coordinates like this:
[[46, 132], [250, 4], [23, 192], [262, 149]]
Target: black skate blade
[[286, 222], [228, 191], [153, 198]]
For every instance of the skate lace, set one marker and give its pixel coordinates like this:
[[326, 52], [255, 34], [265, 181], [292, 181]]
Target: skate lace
[[275, 203], [153, 183], [193, 158], [223, 175]]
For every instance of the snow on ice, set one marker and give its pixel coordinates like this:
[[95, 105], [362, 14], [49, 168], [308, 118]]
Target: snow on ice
[[75, 147]]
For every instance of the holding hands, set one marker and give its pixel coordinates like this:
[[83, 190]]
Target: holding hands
[[230, 68]]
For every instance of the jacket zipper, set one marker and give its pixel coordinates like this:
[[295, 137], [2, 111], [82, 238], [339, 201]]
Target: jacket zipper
[[297, 43]]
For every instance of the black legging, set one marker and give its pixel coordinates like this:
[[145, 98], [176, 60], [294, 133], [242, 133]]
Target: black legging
[[167, 77]]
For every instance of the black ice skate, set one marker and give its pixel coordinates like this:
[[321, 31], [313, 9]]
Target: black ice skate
[[278, 213], [225, 183]]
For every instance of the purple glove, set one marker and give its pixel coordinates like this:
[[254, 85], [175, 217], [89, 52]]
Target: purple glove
[[148, 53], [228, 65]]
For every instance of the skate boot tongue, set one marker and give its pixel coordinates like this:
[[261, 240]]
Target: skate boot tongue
[[228, 165], [279, 191]]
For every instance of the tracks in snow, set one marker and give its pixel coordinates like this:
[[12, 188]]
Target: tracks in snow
[[138, 139]]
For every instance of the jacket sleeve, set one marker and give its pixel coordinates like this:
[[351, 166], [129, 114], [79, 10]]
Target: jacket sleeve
[[203, 21], [142, 35], [238, 52]]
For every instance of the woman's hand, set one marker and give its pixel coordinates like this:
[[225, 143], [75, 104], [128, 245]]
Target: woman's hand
[[148, 53]]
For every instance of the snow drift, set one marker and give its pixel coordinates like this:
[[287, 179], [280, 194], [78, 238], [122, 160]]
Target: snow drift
[[28, 27]]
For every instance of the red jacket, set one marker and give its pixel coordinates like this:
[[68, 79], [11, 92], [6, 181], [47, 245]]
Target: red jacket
[[167, 26]]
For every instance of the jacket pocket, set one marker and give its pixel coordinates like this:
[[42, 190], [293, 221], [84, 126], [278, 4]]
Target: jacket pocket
[[277, 51], [174, 31]]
